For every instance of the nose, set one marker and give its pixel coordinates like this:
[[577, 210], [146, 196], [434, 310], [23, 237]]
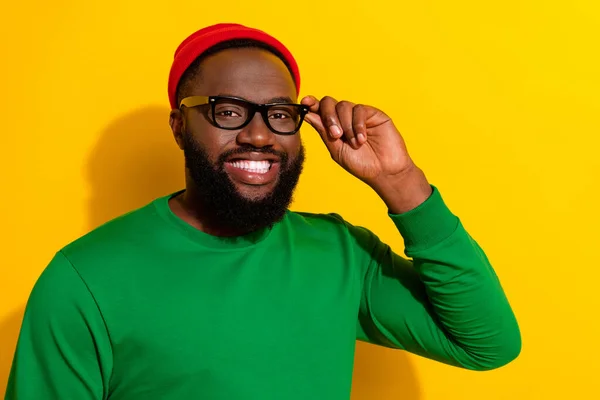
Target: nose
[[256, 133]]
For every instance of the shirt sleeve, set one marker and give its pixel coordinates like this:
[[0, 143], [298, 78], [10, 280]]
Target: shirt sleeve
[[446, 304], [63, 351]]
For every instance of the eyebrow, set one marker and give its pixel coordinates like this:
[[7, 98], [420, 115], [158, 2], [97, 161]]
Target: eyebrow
[[284, 99], [279, 99]]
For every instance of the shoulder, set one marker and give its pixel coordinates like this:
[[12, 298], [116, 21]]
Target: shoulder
[[322, 220], [59, 296], [331, 225], [127, 231], [308, 219], [318, 223]]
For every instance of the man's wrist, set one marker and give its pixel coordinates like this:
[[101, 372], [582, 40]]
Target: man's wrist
[[404, 192]]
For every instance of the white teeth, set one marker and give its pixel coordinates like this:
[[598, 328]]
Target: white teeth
[[258, 167]]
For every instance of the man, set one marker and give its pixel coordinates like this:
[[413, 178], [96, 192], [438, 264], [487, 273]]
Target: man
[[220, 292]]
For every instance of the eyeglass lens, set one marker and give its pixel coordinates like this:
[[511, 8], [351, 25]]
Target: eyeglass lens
[[232, 114]]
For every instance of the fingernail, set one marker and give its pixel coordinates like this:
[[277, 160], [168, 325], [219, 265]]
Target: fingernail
[[336, 131], [353, 142], [361, 138]]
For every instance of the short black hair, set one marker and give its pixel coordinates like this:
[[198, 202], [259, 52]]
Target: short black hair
[[193, 71]]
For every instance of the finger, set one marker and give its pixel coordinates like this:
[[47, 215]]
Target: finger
[[312, 103], [314, 120], [345, 115], [329, 117], [359, 123], [332, 144]]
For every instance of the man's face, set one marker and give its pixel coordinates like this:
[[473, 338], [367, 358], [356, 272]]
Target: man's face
[[245, 177]]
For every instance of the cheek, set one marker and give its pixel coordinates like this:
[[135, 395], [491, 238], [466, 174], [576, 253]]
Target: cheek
[[291, 145], [214, 141]]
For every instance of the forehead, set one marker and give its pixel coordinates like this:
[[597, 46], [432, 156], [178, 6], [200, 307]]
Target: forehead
[[254, 74]]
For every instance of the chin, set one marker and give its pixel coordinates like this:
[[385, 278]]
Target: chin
[[254, 192]]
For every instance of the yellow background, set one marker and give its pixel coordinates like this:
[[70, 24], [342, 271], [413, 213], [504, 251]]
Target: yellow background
[[499, 103]]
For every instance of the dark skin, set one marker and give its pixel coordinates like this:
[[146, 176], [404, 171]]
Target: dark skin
[[361, 139], [365, 142], [252, 74]]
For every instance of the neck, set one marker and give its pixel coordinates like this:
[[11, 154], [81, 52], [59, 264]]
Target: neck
[[188, 207]]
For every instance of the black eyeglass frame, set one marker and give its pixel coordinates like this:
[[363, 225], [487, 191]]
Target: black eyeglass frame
[[253, 108]]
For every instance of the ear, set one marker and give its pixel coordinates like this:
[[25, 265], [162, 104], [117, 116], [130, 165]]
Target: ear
[[176, 123]]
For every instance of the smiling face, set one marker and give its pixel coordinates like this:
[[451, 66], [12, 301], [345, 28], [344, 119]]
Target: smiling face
[[245, 177]]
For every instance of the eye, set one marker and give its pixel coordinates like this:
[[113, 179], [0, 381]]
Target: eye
[[227, 113], [281, 112], [279, 115]]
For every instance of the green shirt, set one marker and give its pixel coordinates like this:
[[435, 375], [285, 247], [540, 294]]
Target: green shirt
[[147, 307]]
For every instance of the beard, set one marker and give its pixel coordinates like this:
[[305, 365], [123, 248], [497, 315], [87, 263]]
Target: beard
[[221, 203]]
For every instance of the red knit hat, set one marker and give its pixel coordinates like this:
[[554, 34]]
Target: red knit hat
[[200, 41]]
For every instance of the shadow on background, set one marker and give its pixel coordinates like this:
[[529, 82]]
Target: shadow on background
[[135, 160], [9, 332], [383, 374]]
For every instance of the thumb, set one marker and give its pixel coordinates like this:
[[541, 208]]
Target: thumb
[[316, 122]]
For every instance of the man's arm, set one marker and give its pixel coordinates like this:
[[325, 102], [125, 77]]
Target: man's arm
[[447, 304], [63, 351]]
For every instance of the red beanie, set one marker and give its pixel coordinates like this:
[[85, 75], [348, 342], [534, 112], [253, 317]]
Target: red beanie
[[200, 41]]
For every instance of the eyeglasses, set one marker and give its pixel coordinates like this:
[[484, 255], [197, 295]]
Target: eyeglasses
[[234, 113]]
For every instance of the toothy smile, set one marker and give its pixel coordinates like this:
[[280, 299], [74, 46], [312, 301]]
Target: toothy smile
[[257, 167]]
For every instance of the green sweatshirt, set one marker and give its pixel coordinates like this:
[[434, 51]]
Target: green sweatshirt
[[147, 307]]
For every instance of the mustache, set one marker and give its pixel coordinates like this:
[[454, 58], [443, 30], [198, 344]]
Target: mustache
[[251, 149]]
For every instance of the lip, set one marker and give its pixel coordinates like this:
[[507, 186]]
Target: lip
[[253, 178]]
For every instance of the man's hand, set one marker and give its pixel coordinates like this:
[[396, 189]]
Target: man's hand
[[364, 141]]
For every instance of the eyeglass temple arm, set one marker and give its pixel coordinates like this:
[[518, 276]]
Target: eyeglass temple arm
[[194, 101]]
